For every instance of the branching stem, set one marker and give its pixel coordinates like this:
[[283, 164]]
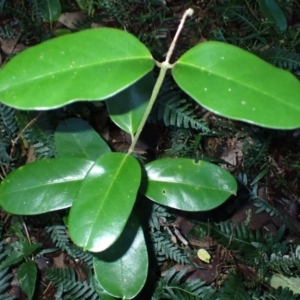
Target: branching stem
[[163, 69]]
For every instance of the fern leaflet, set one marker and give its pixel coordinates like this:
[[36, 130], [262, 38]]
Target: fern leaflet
[[282, 58], [68, 285], [170, 287]]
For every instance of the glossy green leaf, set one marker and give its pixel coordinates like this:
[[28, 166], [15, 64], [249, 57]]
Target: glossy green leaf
[[50, 10], [127, 108], [76, 138], [104, 202], [92, 64], [43, 186], [27, 273], [19, 253], [103, 295], [122, 269], [28, 249], [236, 84], [187, 185], [273, 12]]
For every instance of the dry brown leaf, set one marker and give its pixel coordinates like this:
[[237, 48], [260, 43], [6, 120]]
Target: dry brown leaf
[[11, 46], [59, 261], [71, 19], [232, 153]]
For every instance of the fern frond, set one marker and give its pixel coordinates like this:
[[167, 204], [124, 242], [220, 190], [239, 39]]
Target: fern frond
[[233, 288], [283, 264], [281, 294], [5, 275], [165, 249], [237, 236], [282, 58], [8, 124], [36, 8], [40, 134], [5, 279], [118, 10], [159, 214], [255, 151], [8, 131], [61, 240], [59, 236], [253, 242], [68, 285], [241, 16], [172, 287], [5, 158], [272, 211], [173, 109]]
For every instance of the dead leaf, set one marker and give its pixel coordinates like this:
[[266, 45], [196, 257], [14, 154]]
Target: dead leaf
[[72, 19], [11, 46], [206, 242], [59, 261], [232, 152]]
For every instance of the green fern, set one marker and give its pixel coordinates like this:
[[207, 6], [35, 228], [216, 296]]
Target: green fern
[[283, 264], [36, 8], [272, 211], [59, 237], [255, 150], [5, 278], [8, 123], [282, 58], [158, 215], [7, 32], [165, 249], [40, 134], [69, 287], [253, 242], [281, 294], [119, 10], [233, 288], [5, 274], [8, 131], [240, 15], [173, 109], [172, 287]]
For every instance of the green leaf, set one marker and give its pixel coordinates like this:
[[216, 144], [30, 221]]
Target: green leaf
[[92, 64], [127, 108], [13, 259], [236, 84], [184, 184], [104, 201], [76, 138], [43, 186], [28, 249], [19, 254], [27, 273], [100, 291], [50, 10], [122, 269], [273, 12]]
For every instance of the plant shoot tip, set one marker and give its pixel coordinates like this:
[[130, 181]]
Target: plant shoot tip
[[190, 12]]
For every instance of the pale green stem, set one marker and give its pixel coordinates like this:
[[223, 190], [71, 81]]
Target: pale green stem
[[155, 91], [163, 69]]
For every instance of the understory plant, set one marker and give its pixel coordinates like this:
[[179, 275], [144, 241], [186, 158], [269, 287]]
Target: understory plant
[[100, 186]]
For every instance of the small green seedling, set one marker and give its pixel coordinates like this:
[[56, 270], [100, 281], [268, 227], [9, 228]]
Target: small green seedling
[[99, 186]]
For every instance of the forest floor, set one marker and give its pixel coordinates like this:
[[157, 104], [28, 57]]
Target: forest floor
[[265, 162]]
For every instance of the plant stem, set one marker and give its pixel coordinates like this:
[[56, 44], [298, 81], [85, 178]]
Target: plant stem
[[155, 91], [162, 73]]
